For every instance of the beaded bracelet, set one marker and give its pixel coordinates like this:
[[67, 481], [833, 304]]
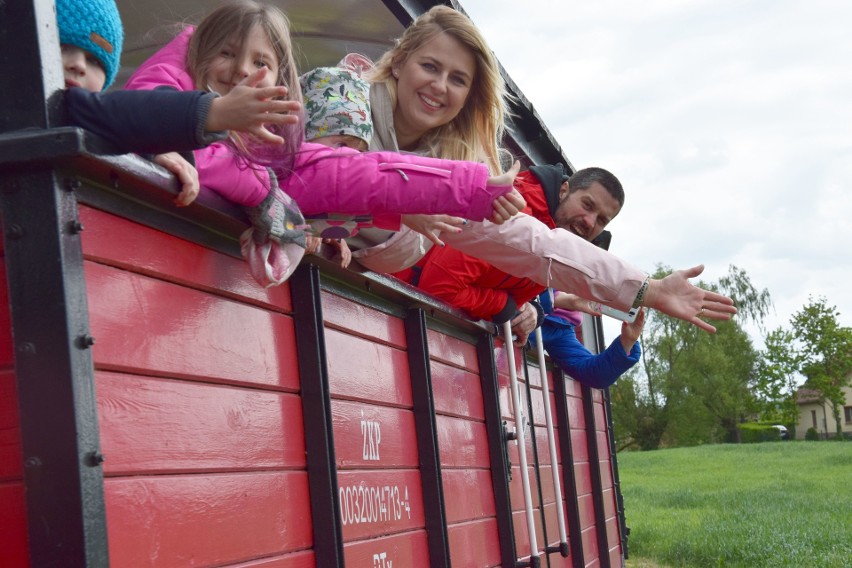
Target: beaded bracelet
[[641, 294]]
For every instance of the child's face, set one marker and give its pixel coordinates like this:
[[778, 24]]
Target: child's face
[[342, 140], [235, 62], [82, 69]]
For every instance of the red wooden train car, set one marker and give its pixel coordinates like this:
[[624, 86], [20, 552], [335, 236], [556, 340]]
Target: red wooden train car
[[158, 408]]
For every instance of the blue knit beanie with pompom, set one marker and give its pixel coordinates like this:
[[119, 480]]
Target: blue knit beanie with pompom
[[93, 25]]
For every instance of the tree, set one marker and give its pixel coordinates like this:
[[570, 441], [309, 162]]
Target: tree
[[825, 351], [776, 378]]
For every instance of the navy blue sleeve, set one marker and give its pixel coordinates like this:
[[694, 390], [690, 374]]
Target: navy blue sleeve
[[596, 371], [145, 122]]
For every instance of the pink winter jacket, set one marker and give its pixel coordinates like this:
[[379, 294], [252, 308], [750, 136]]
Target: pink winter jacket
[[218, 167], [388, 184]]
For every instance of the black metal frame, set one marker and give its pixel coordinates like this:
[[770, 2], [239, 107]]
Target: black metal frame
[[497, 443], [569, 478], [427, 439], [623, 529], [316, 410], [595, 473], [63, 480]]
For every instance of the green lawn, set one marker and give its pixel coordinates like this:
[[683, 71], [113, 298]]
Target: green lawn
[[749, 505]]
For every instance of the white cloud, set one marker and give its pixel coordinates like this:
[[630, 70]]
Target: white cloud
[[727, 121]]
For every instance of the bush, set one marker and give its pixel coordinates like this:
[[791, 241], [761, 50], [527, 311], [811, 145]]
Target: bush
[[811, 434], [753, 433]]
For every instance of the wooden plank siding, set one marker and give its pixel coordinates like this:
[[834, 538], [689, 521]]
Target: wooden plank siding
[[464, 452], [201, 423]]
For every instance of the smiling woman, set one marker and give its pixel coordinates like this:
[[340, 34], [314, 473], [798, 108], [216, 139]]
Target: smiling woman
[[432, 87], [443, 84]]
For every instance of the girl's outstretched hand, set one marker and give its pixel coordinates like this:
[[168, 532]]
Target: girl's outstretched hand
[[249, 108], [510, 204], [675, 296], [430, 226]]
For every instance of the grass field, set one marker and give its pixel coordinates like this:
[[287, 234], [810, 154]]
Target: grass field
[[749, 505]]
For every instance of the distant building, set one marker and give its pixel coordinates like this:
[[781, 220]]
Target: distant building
[[819, 416]]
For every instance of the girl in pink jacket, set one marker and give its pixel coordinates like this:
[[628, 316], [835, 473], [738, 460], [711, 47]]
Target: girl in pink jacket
[[247, 41]]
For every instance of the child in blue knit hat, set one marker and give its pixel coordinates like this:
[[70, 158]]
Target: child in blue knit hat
[[161, 121]]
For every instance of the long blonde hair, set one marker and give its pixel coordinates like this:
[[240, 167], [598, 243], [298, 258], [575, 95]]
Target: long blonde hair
[[474, 134], [236, 19]]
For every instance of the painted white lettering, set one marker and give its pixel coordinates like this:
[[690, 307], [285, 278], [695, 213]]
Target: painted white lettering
[[361, 503], [371, 431]]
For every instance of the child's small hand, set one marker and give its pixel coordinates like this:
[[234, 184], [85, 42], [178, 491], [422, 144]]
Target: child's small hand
[[430, 226], [186, 173], [343, 248], [312, 244], [249, 108], [508, 205]]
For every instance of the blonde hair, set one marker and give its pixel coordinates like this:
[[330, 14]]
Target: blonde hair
[[474, 134], [234, 20]]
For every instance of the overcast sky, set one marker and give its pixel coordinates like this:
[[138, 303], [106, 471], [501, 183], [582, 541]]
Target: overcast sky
[[728, 122]]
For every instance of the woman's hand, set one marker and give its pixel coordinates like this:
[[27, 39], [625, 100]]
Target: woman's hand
[[185, 172], [431, 226], [248, 108], [312, 244], [675, 296]]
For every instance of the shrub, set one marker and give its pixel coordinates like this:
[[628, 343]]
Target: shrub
[[811, 434], [753, 433]]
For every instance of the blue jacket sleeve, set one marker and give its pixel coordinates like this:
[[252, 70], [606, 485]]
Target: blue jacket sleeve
[[596, 371], [144, 122]]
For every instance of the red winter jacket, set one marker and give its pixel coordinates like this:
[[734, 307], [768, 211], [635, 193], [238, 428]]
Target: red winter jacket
[[474, 285]]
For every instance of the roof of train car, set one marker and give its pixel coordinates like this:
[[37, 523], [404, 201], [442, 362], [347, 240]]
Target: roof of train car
[[323, 31]]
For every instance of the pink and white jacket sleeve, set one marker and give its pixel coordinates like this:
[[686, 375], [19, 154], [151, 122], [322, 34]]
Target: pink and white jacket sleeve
[[341, 180], [219, 169]]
